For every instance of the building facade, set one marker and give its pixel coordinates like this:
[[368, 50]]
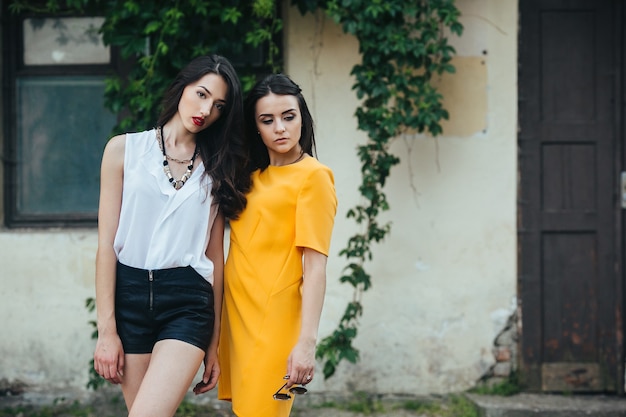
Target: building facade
[[452, 274]]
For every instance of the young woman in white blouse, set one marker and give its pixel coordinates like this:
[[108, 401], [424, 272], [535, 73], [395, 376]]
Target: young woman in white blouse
[[165, 194]]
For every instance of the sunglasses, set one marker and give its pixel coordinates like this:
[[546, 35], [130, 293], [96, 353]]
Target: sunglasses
[[296, 389]]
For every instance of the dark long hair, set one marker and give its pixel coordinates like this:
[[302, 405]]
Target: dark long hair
[[279, 84], [221, 145]]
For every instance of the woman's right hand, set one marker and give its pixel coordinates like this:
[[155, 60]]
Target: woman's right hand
[[108, 358]]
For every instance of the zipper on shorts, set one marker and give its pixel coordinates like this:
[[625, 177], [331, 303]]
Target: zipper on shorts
[[151, 279]]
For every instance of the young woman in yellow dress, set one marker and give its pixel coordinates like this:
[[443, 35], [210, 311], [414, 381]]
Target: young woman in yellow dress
[[275, 273]]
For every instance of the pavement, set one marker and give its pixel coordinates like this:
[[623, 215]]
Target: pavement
[[545, 405], [520, 405]]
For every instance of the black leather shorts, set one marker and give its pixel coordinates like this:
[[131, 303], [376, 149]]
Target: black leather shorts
[[153, 305]]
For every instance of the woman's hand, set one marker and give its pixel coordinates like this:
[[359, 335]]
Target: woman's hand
[[211, 374], [301, 363], [108, 359]]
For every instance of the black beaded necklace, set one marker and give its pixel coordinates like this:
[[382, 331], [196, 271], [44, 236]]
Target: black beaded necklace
[[177, 184]]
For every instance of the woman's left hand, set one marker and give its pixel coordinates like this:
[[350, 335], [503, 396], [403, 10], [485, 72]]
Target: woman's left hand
[[301, 363], [211, 373]]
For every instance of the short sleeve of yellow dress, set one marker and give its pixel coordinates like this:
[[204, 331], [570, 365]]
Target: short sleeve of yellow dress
[[289, 207]]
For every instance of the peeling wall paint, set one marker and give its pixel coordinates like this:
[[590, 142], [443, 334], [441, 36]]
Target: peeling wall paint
[[465, 97]]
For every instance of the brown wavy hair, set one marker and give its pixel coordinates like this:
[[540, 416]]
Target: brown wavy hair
[[221, 145]]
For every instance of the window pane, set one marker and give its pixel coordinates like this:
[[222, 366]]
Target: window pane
[[64, 41], [62, 127]]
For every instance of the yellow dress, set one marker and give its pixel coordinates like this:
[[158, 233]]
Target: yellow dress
[[289, 207]]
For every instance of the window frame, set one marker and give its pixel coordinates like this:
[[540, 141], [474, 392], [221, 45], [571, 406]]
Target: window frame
[[13, 69]]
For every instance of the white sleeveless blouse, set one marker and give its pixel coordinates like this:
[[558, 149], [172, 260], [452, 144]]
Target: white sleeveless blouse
[[161, 227]]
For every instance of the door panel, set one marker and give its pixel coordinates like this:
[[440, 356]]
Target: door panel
[[570, 279]]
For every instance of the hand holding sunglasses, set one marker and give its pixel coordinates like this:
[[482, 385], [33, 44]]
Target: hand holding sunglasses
[[295, 389]]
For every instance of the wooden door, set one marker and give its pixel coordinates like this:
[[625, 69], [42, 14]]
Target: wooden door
[[570, 217]]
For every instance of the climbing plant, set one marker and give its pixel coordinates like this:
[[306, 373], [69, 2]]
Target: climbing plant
[[403, 47]]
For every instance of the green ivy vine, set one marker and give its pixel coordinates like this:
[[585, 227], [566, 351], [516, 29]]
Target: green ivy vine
[[403, 46]]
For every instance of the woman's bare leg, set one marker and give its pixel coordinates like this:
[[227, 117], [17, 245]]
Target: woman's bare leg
[[171, 369], [135, 367]]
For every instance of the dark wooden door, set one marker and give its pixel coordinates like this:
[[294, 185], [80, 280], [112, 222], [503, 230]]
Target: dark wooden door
[[570, 216]]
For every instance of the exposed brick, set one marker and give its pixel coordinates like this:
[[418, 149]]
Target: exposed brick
[[502, 354]]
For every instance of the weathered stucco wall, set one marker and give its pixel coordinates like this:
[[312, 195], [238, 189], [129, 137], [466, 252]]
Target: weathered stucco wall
[[445, 278], [444, 281], [45, 279]]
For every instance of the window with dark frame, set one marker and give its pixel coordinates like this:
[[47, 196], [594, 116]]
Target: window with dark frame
[[56, 124]]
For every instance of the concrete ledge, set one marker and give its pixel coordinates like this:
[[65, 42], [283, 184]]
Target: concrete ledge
[[543, 405]]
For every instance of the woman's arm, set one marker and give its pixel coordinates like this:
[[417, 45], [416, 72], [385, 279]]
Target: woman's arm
[[301, 362], [215, 252], [109, 354]]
